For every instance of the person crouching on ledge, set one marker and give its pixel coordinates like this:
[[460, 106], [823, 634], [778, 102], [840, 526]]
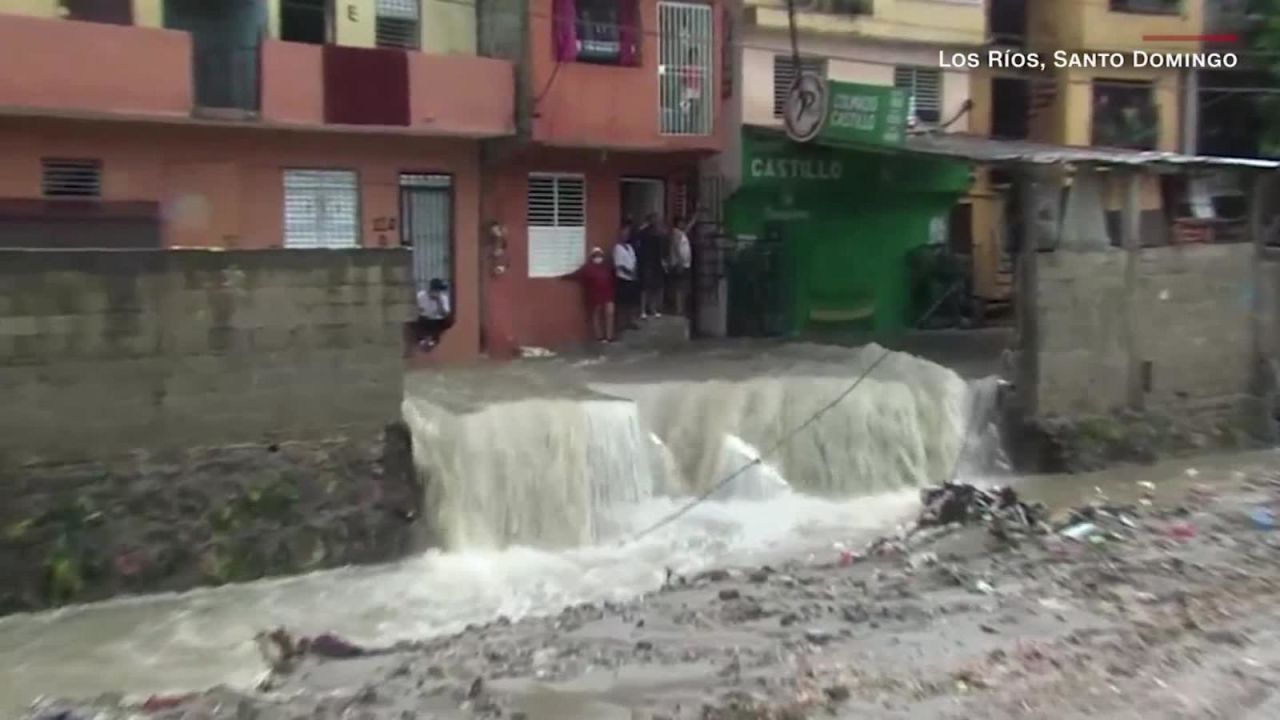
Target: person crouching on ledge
[[597, 284], [435, 314]]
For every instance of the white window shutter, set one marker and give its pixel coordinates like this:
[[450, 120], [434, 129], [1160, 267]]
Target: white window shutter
[[321, 209], [556, 207]]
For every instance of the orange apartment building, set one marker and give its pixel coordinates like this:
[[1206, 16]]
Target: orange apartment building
[[313, 124], [618, 101]]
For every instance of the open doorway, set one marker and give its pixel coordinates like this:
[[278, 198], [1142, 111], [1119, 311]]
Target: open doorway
[[306, 21], [642, 196], [225, 39]]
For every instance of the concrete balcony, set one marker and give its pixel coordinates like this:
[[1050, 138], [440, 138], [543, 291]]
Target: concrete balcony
[[95, 70], [85, 68], [459, 95], [1116, 25], [628, 102], [900, 21]]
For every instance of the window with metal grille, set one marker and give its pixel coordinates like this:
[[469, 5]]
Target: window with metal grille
[[686, 61], [71, 178], [784, 75], [924, 92], [426, 225], [557, 223], [321, 209], [397, 24]]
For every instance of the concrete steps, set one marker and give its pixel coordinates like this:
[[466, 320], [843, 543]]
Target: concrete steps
[[655, 334]]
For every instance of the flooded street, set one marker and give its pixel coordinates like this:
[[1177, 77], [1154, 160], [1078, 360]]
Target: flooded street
[[205, 637], [542, 481]]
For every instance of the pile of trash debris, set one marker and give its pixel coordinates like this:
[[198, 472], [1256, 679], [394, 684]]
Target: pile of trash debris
[[999, 508]]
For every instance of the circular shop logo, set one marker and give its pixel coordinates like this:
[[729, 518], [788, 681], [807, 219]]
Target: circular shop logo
[[805, 112]]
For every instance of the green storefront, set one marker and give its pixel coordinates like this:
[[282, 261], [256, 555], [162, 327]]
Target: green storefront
[[824, 228]]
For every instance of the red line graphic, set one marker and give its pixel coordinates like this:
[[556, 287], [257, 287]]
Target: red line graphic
[[1215, 38]]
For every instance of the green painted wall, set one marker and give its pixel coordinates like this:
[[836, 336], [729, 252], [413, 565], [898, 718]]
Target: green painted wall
[[847, 220]]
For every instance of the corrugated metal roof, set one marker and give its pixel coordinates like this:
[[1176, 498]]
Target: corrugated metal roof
[[994, 151]]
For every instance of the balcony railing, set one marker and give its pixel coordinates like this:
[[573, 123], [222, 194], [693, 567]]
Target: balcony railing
[[1147, 7], [686, 64]]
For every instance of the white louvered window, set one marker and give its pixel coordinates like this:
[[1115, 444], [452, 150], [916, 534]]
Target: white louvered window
[[686, 63], [67, 178], [557, 222], [784, 75], [321, 209], [398, 24], [924, 92]]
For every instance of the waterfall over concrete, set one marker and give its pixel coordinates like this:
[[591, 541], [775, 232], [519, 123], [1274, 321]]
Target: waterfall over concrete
[[532, 473], [548, 468], [542, 471], [747, 475]]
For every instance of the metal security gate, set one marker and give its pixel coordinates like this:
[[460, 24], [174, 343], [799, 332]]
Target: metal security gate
[[321, 209], [426, 225], [686, 63], [756, 268]]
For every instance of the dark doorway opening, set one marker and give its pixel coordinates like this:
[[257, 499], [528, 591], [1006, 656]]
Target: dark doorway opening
[[225, 38], [112, 12], [306, 21], [1010, 108], [1008, 22]]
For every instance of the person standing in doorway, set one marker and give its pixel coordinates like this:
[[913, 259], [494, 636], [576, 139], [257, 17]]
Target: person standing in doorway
[[681, 265], [626, 287], [435, 314], [597, 285], [652, 256]]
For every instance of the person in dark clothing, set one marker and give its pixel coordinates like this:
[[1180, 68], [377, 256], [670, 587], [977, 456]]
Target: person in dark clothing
[[626, 282], [435, 314], [653, 253]]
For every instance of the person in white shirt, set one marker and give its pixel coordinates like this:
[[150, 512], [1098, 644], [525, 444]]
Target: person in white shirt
[[626, 288], [435, 314], [680, 265]]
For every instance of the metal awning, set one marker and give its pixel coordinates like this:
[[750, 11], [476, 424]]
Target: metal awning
[[1014, 152], [992, 151]]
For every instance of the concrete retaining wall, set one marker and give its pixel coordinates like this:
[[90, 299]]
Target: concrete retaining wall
[[105, 352], [1191, 311], [170, 419]]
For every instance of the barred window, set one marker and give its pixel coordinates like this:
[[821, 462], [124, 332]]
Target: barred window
[[398, 24], [924, 91], [784, 76], [71, 178]]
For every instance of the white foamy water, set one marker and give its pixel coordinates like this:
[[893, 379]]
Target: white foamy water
[[202, 638], [538, 491]]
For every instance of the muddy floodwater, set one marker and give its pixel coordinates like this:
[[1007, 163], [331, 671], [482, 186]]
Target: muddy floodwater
[[544, 479]]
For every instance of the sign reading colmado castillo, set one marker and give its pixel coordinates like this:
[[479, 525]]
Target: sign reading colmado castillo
[[866, 114], [846, 112]]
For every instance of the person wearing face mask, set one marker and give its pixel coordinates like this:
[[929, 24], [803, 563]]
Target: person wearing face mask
[[596, 278]]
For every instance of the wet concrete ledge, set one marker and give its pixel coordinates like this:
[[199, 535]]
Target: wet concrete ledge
[[171, 521]]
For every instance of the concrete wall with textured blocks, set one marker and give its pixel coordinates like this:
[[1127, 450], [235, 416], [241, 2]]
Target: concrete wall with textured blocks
[[106, 352], [1192, 339]]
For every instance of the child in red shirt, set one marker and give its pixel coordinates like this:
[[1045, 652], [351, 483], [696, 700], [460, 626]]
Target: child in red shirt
[[597, 284]]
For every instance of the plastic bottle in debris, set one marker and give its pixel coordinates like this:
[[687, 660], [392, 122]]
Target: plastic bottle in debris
[[1263, 518]]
